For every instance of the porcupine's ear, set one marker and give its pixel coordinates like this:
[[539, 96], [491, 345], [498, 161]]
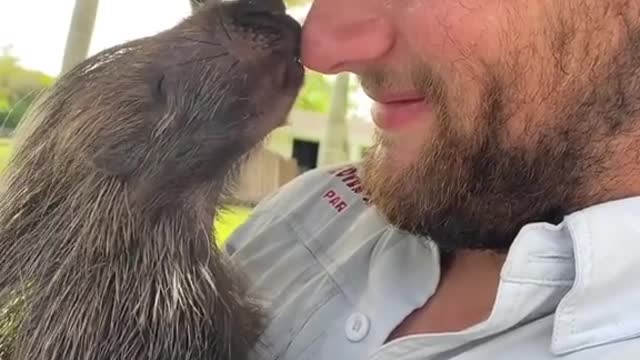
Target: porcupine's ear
[[121, 155], [121, 150]]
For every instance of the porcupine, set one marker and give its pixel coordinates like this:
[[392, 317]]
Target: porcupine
[[107, 204]]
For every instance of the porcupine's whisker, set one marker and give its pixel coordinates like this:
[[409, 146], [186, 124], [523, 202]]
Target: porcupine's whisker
[[223, 26], [209, 58], [201, 41]]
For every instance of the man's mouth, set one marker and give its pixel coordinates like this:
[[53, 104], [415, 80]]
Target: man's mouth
[[394, 111]]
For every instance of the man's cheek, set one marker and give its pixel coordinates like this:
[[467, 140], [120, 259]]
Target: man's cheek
[[449, 32]]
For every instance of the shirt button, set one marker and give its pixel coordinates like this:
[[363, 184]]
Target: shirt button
[[357, 327]]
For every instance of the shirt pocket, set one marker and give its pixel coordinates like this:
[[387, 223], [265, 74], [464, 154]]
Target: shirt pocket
[[289, 281]]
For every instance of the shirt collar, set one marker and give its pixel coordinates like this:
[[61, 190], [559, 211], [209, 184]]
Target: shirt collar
[[580, 272], [596, 252], [602, 304]]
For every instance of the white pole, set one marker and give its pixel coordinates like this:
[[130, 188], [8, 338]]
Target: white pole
[[334, 147], [80, 33]]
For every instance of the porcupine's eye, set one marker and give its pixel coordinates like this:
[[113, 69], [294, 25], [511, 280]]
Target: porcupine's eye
[[195, 4], [158, 90]]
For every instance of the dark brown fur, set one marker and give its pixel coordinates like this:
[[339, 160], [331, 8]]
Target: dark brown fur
[[106, 209]]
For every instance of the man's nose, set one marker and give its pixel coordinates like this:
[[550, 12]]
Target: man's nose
[[344, 35]]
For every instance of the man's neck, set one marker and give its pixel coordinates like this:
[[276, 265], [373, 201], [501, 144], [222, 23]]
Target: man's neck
[[618, 179], [465, 296]]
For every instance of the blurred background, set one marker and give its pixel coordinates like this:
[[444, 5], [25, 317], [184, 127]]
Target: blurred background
[[41, 39]]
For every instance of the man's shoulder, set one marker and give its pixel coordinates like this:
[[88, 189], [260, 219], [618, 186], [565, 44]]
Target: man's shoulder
[[312, 251], [305, 206], [628, 349], [339, 186]]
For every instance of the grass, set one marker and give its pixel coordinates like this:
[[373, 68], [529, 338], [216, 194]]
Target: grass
[[229, 220], [225, 224], [5, 152]]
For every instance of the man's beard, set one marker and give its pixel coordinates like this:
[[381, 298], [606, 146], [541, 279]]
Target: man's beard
[[477, 190]]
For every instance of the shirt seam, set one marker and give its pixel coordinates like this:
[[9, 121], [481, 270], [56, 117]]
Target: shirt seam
[[301, 233]]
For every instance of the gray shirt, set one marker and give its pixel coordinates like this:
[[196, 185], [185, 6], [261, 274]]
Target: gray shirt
[[336, 279]]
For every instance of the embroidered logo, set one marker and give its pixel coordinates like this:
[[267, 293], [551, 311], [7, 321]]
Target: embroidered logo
[[335, 200], [349, 177]]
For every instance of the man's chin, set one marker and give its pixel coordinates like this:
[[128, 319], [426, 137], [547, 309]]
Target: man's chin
[[393, 155], [389, 182], [384, 172]]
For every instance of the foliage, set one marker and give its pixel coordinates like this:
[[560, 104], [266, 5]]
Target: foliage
[[315, 94], [318, 90], [18, 88], [228, 220], [11, 311], [5, 152], [295, 3]]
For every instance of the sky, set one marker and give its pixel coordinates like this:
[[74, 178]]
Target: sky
[[37, 29]]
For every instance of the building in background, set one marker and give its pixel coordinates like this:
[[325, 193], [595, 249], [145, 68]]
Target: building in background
[[301, 139], [294, 149]]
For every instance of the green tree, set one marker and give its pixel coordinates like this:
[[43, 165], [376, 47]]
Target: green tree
[[296, 3], [18, 88], [315, 95]]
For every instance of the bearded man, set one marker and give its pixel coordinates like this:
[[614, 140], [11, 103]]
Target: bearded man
[[497, 215]]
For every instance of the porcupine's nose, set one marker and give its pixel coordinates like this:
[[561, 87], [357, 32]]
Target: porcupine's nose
[[269, 17]]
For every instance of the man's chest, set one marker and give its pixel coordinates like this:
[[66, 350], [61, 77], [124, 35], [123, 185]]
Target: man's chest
[[335, 298], [339, 294], [529, 342]]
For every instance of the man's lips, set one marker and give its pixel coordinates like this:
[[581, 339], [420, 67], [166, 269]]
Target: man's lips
[[394, 111]]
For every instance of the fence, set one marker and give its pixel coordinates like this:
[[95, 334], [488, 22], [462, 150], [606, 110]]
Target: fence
[[265, 172]]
